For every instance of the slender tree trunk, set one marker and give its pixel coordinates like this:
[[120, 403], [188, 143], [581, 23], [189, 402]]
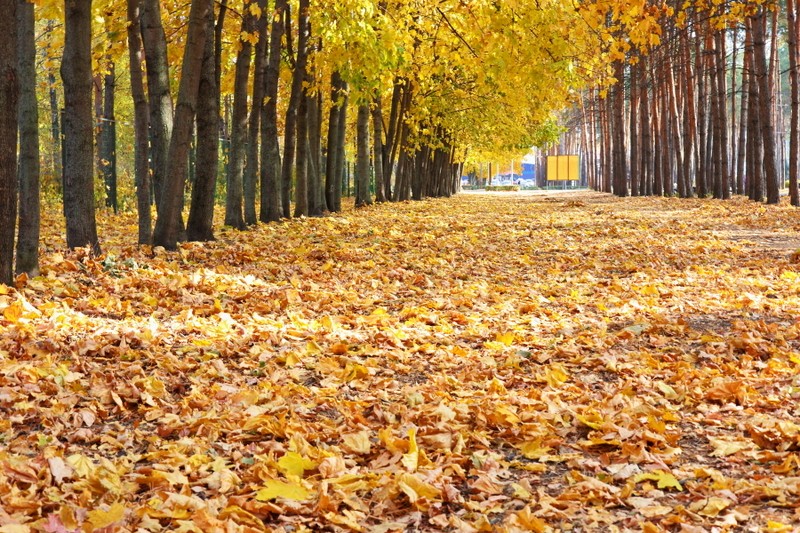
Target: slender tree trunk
[[234, 198], [108, 139], [140, 125], [690, 110], [316, 194], [635, 136], [168, 224], [9, 95], [76, 74], [742, 144], [765, 115], [722, 165], [55, 132], [200, 225], [271, 194], [362, 156], [29, 204], [158, 91], [251, 169], [334, 114], [793, 23], [341, 158], [377, 150], [300, 116]]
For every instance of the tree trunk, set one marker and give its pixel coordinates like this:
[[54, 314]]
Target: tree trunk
[[234, 197], [76, 74], [141, 124], [341, 158], [635, 135], [200, 225], [793, 23], [168, 224], [618, 131], [362, 156], [332, 179], [724, 191], [301, 159], [271, 197], [251, 168], [29, 204], [765, 115], [158, 91], [377, 149], [107, 145], [9, 95], [316, 195]]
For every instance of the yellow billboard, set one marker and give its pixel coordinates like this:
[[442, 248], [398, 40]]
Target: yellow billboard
[[563, 168]]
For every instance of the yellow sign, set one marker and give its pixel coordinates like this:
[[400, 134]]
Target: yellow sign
[[563, 168]]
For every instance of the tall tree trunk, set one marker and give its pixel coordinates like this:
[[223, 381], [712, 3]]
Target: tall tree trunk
[[316, 194], [9, 95], [618, 131], [200, 225], [765, 115], [690, 110], [341, 158], [722, 165], [168, 224], [76, 74], [332, 179], [158, 91], [251, 168], [377, 150], [271, 194], [362, 156], [793, 23], [140, 125], [745, 91], [55, 132], [29, 204], [635, 135], [300, 76], [234, 197], [107, 145]]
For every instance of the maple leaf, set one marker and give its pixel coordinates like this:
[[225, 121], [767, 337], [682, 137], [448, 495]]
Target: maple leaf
[[282, 489]]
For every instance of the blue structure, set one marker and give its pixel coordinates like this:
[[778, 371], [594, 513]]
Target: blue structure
[[529, 171]]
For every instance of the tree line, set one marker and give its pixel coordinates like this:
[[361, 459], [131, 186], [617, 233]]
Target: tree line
[[404, 90]]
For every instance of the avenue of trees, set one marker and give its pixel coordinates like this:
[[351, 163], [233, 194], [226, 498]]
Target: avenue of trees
[[709, 110], [276, 108]]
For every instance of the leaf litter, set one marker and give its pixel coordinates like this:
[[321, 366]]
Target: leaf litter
[[471, 364]]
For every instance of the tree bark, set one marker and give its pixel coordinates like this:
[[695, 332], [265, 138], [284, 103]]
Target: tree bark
[[362, 156], [76, 74], [9, 95], [793, 23], [168, 224], [29, 203], [332, 184], [140, 124], [158, 91], [271, 201], [200, 225], [316, 194], [377, 151], [251, 168], [234, 197], [765, 115], [107, 145]]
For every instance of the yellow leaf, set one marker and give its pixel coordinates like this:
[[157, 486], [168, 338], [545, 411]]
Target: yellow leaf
[[411, 459], [714, 506], [724, 448], [13, 312], [100, 518], [534, 449], [556, 376], [82, 465], [415, 489], [665, 479], [281, 489], [506, 338], [777, 527], [294, 464], [358, 442]]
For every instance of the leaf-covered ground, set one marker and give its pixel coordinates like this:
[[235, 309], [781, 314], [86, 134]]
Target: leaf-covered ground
[[566, 363]]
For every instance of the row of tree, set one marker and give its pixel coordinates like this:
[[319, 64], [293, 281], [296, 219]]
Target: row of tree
[[405, 89], [700, 113]]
